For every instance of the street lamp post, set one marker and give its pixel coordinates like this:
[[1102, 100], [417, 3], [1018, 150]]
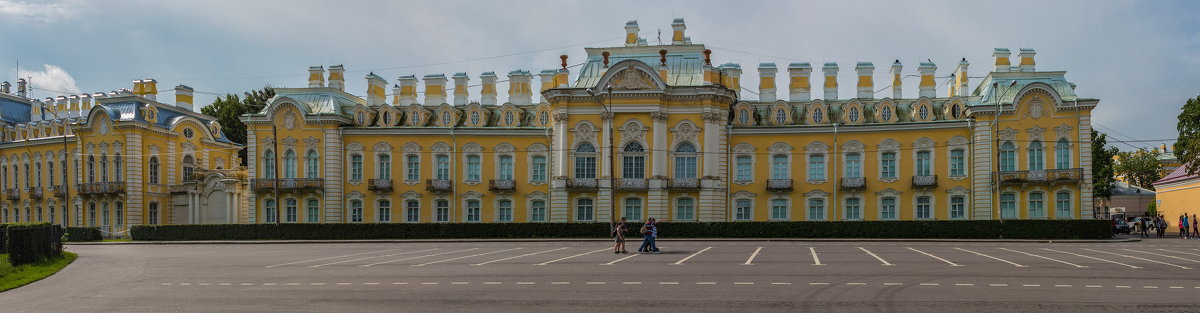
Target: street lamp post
[[612, 154], [996, 135], [66, 160]]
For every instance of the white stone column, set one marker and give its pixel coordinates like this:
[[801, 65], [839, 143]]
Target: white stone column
[[660, 147], [606, 145], [561, 146], [981, 172], [711, 135]]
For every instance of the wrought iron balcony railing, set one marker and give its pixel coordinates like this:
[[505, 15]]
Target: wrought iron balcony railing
[[1055, 176], [288, 184], [379, 184], [439, 185], [34, 192], [100, 188], [58, 191], [684, 183], [631, 184], [582, 183], [854, 183], [181, 188], [779, 185], [502, 185], [924, 181]]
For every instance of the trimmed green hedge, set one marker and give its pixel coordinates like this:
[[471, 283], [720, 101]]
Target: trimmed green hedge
[[1010, 229], [32, 242], [83, 234]]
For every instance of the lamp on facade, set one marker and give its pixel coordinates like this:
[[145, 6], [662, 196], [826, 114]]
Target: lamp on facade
[[612, 154]]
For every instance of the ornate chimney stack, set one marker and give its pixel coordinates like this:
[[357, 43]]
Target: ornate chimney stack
[[435, 89], [677, 28], [408, 90], [519, 91], [316, 76], [376, 90], [488, 92], [831, 85], [766, 82], [183, 97], [799, 89], [1002, 59], [337, 77], [866, 80], [897, 93], [928, 86], [460, 88]]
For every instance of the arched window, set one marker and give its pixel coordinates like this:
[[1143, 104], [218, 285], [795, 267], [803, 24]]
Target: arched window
[[38, 170], [474, 117], [853, 114], [585, 161], [269, 210], [385, 166], [104, 167], [189, 167], [780, 167], [356, 211], [443, 167], [1062, 205], [91, 167], [1037, 158], [506, 167], [154, 170], [544, 118], [383, 210], [744, 117], [923, 112], [1062, 154], [818, 116], [117, 174], [269, 164], [311, 164], [633, 163], [474, 167], [289, 164], [1008, 206], [356, 167], [1008, 157], [780, 117], [290, 210], [50, 172], [508, 118], [685, 160]]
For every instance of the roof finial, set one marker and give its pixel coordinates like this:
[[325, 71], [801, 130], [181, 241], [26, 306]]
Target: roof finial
[[564, 60], [662, 56], [605, 54], [707, 57]]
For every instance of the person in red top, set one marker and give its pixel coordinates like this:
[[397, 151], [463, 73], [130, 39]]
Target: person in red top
[[650, 233]]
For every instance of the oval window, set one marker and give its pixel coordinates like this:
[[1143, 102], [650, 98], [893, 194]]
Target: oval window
[[923, 112], [853, 114], [508, 118], [818, 115], [886, 113]]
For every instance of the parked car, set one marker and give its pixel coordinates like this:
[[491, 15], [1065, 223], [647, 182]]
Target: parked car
[[1122, 227]]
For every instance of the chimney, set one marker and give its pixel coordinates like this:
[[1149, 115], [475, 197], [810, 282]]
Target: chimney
[[76, 109], [139, 88], [408, 90], [731, 77], [799, 89], [896, 79], [952, 83], [6, 88], [376, 95], [1027, 64], [708, 68], [435, 89], [183, 97], [1001, 55], [518, 87], [488, 92], [928, 87], [766, 82], [337, 78], [316, 76], [831, 86], [60, 102], [677, 26], [460, 88], [72, 105], [963, 88], [631, 34], [561, 77], [22, 89], [547, 79], [662, 65], [866, 80], [150, 89]]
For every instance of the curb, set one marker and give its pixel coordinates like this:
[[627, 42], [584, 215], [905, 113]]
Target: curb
[[227, 242]]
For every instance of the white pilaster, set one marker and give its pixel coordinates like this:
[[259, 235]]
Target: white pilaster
[[661, 145]]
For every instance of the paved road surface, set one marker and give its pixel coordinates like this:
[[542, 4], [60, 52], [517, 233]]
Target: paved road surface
[[1154, 275]]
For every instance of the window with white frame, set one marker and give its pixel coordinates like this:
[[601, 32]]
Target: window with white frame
[[685, 209], [39, 214], [585, 161], [120, 214], [313, 211], [289, 164], [538, 169], [1062, 205], [853, 208], [443, 167], [1008, 157], [816, 167], [383, 211], [356, 167], [887, 165], [385, 166], [958, 163], [853, 165], [356, 211], [583, 209], [924, 163], [633, 209], [412, 211], [506, 167], [924, 207], [64, 170], [51, 215], [633, 163], [473, 208], [816, 209], [290, 210], [117, 173], [412, 168], [38, 179], [442, 208], [153, 213], [268, 211], [474, 167], [743, 210], [779, 167], [685, 161], [91, 166], [154, 170], [504, 210], [1008, 206], [887, 208], [311, 163], [1037, 205], [1037, 157], [958, 207], [779, 209], [1062, 154], [745, 168], [537, 211]]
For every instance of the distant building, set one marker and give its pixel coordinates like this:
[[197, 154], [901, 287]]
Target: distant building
[[1178, 193], [1132, 198]]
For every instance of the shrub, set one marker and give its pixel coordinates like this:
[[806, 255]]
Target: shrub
[[83, 234], [32, 242]]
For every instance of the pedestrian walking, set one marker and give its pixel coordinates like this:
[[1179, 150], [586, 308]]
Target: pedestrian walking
[[1144, 222], [1195, 228], [1162, 226], [650, 232], [1183, 226], [619, 237]]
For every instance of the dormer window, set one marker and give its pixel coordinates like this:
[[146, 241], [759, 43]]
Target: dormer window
[[853, 114], [956, 111], [508, 118], [886, 113], [780, 117], [743, 118], [818, 116], [544, 118], [188, 133], [445, 118], [923, 112], [475, 118]]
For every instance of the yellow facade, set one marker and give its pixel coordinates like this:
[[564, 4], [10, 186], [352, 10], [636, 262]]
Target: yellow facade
[[1177, 194]]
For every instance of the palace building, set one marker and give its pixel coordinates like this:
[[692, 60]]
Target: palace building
[[114, 160], [662, 131]]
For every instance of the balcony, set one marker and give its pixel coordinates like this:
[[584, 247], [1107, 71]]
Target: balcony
[[34, 192], [582, 184], [288, 184], [684, 184], [439, 185], [924, 181], [101, 188], [176, 189], [379, 184], [58, 191], [502, 185], [854, 183], [12, 194], [1057, 176], [1065, 176], [631, 184], [781, 185]]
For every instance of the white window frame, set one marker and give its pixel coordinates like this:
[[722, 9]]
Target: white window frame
[[500, 210], [577, 206], [1039, 159], [895, 210], [1070, 204], [917, 206], [577, 157], [291, 210], [312, 213], [691, 211], [383, 213], [846, 208], [639, 209], [747, 174], [1059, 159], [533, 214], [749, 209], [1029, 214], [1016, 204], [787, 208], [681, 160]]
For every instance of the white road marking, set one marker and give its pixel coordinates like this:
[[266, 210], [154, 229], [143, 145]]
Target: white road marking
[[431, 283], [372, 257], [1031, 285], [998, 285], [1163, 255], [460, 283], [370, 283], [706, 283], [204, 284], [632, 283], [399, 283], [964, 284], [332, 257], [893, 284], [933, 256], [881, 260], [818, 283], [781, 283], [992, 257], [1092, 257], [856, 284], [750, 261], [560, 283], [492, 283], [816, 260], [185, 284], [668, 283], [167, 284], [569, 257], [1121, 286], [224, 284], [1140, 258], [1093, 286], [1038, 256], [1180, 252], [416, 257], [596, 282], [246, 284], [930, 284], [621, 259], [291, 284], [466, 256], [514, 257], [1064, 286], [691, 256], [1150, 287], [1176, 287], [743, 283], [525, 283]]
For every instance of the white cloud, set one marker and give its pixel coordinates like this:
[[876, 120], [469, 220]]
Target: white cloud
[[53, 81], [40, 12]]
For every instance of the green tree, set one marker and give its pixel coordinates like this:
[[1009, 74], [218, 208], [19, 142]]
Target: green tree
[[1187, 147], [1140, 168], [1152, 209], [228, 110], [1103, 171]]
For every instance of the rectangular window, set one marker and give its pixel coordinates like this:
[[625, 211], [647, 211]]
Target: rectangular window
[[958, 163], [779, 209], [290, 210], [685, 209], [958, 207], [413, 168], [51, 215], [504, 211], [685, 166], [356, 211], [924, 163], [1062, 154], [1037, 205], [1062, 205], [268, 210], [311, 165], [537, 211], [443, 210], [412, 211], [472, 211], [443, 167], [585, 167], [887, 165], [313, 211], [356, 167], [743, 210], [816, 209], [1008, 206], [1037, 158], [1008, 157], [854, 165], [50, 173], [887, 208], [473, 167], [924, 207], [385, 166], [384, 211], [633, 209], [583, 210], [153, 212], [538, 169], [745, 168], [635, 167], [506, 167], [816, 167], [853, 208], [779, 167]]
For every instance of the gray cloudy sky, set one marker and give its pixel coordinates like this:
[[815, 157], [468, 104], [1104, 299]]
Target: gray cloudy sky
[[1139, 57]]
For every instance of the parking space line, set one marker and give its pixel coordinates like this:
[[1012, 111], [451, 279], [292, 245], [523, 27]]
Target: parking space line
[[514, 257], [570, 257], [621, 259], [1181, 252], [1092, 257], [750, 261], [1047, 258], [1162, 255], [992, 257], [816, 260], [876, 256], [964, 285], [1140, 258], [416, 257], [332, 257], [933, 256], [372, 257], [466, 256], [690, 256]]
